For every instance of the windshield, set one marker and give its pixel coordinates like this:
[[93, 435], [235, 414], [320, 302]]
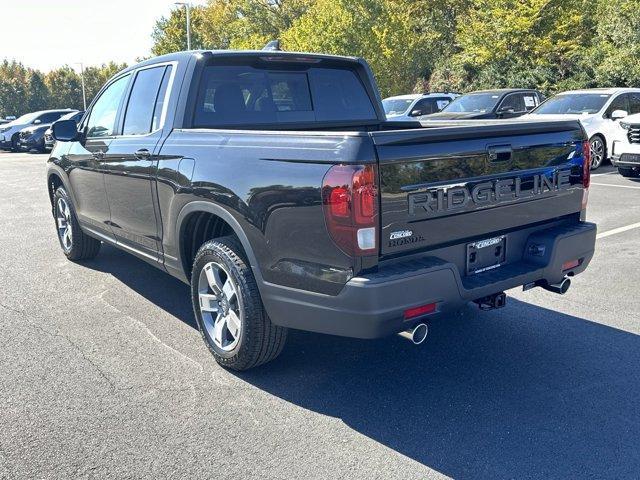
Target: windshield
[[396, 106], [26, 118], [473, 102], [573, 104]]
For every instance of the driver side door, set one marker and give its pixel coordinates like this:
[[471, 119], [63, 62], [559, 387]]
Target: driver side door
[[84, 160]]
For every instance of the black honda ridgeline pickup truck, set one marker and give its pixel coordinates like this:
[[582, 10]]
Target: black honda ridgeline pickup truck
[[273, 184]]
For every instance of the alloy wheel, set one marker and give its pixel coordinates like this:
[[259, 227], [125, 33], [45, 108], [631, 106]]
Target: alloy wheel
[[63, 219], [220, 306], [597, 152]]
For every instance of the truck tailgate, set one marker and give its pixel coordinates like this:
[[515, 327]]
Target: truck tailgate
[[464, 182]]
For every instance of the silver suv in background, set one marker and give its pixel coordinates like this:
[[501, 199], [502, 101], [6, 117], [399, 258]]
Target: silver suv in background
[[409, 107], [10, 132]]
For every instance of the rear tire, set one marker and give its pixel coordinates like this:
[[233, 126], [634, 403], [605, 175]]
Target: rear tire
[[628, 172], [228, 308], [76, 244]]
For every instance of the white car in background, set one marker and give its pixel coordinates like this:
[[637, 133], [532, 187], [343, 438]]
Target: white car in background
[[625, 150], [408, 107], [598, 109]]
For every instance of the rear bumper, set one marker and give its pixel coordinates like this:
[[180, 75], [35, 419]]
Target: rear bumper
[[372, 306]]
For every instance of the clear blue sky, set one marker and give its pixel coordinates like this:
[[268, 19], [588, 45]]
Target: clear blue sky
[[46, 34]]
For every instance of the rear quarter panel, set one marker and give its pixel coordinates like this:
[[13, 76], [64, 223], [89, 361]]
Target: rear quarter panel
[[270, 183]]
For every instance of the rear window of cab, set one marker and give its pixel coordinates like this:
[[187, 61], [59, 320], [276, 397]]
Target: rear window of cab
[[244, 95]]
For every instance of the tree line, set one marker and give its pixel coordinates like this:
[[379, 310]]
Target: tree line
[[411, 45], [437, 45], [24, 89]]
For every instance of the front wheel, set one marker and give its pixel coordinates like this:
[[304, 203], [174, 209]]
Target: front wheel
[[75, 244], [598, 151], [228, 308]]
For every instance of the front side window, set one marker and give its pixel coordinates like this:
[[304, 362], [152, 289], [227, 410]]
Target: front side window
[[231, 95], [618, 103], [513, 102], [139, 116], [102, 118], [634, 103]]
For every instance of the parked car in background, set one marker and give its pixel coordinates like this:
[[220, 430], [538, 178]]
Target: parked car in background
[[10, 132], [483, 104], [625, 148], [48, 137], [409, 107], [599, 111], [32, 138]]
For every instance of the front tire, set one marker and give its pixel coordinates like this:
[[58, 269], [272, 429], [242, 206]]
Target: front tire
[[76, 245], [228, 308], [598, 151]]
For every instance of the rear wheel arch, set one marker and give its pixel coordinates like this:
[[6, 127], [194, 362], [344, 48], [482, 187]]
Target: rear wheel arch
[[199, 222]]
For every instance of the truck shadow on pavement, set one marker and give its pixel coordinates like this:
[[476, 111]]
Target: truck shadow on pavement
[[522, 392]]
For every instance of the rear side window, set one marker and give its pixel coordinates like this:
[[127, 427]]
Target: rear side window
[[139, 117], [232, 95]]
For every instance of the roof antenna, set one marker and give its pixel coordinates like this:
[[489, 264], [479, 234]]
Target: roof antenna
[[273, 46]]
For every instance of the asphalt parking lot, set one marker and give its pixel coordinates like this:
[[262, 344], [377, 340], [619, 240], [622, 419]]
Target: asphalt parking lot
[[103, 374]]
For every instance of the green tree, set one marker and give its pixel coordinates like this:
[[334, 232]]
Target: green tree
[[38, 96], [65, 87], [96, 77], [13, 88]]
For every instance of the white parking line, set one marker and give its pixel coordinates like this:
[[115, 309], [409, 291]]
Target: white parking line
[[618, 230], [617, 186], [601, 174]]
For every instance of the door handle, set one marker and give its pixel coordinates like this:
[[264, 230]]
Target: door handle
[[98, 155], [143, 154]]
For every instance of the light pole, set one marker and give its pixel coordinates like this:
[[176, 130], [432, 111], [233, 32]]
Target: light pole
[[187, 6], [84, 95]]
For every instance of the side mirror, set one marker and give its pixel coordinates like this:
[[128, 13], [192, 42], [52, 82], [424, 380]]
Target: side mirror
[[37, 121], [416, 113], [65, 131], [502, 111], [618, 114]]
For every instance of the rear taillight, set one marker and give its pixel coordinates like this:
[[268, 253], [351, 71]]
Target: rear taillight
[[586, 166], [350, 202], [586, 172]]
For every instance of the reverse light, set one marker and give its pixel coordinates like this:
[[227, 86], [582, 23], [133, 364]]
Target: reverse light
[[350, 202], [414, 312]]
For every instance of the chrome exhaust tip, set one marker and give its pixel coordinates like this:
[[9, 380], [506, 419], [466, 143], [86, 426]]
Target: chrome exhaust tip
[[559, 288], [417, 334]]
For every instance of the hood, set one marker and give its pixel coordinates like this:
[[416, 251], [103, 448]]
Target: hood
[[456, 115]]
